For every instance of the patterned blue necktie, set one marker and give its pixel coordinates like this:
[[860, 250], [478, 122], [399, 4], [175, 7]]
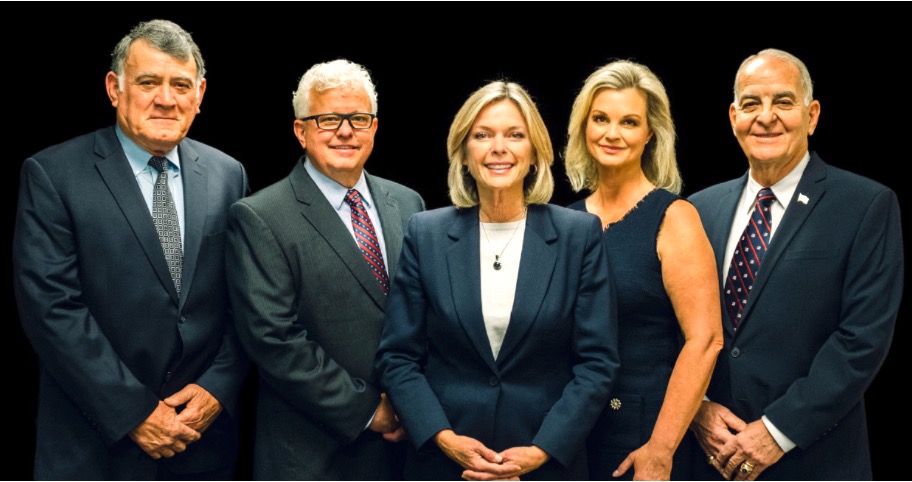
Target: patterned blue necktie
[[366, 238], [749, 253], [164, 214]]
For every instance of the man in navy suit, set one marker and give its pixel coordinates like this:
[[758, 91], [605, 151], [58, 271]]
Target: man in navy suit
[[809, 303], [119, 276]]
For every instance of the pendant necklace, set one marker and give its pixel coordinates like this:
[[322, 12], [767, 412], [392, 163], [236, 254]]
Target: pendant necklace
[[497, 264]]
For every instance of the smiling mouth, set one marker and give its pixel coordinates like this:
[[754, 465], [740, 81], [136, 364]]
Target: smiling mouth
[[499, 167]]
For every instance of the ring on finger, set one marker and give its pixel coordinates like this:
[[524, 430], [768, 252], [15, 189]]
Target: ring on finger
[[746, 468]]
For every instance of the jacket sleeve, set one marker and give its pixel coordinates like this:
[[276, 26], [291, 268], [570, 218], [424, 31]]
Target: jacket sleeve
[[850, 358], [264, 301], [66, 337], [595, 352], [403, 348]]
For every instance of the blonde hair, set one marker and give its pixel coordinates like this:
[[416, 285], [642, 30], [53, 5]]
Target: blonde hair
[[538, 185], [659, 163]]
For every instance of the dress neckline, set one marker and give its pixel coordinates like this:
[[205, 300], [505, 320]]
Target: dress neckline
[[631, 210]]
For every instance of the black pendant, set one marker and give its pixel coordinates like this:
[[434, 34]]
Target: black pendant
[[497, 264]]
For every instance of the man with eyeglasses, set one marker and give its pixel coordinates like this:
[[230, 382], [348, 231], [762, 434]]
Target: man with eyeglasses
[[310, 260]]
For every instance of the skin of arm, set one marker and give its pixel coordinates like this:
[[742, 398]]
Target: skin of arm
[[691, 281]]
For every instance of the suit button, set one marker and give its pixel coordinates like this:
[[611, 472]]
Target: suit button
[[736, 352], [493, 381], [182, 320], [168, 376]]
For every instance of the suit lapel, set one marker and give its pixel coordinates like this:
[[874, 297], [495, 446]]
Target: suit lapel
[[390, 222], [325, 220], [535, 269], [463, 264], [196, 198], [812, 187], [118, 177]]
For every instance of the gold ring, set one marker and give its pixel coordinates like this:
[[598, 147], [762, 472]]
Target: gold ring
[[746, 468], [709, 459]]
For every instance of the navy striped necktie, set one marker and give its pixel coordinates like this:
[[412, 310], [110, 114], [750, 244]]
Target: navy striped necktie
[[749, 253], [366, 237]]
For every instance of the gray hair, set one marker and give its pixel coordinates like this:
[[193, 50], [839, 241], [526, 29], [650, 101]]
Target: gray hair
[[659, 162], [807, 86], [332, 75], [165, 36]]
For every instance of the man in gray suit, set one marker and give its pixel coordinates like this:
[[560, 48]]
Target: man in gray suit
[[310, 260]]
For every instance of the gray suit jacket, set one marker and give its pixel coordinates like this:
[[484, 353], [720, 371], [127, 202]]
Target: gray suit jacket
[[310, 312]]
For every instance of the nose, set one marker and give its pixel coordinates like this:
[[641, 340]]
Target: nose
[[165, 96], [499, 146], [767, 115], [345, 129], [611, 131]]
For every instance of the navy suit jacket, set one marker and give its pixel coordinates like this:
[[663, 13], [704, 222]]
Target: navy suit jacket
[[558, 358], [99, 307], [819, 319]]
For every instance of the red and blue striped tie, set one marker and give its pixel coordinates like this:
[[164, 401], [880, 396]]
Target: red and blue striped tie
[[366, 237], [749, 252]]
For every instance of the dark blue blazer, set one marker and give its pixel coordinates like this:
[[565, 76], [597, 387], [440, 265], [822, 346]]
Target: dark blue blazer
[[98, 305], [558, 358], [819, 320]]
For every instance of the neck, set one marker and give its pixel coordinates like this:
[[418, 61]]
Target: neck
[[769, 173], [498, 207], [621, 188]]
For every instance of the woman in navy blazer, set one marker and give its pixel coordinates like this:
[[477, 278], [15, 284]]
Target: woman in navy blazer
[[499, 346]]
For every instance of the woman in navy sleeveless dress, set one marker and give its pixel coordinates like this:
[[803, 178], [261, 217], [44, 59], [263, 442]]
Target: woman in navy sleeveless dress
[[621, 150]]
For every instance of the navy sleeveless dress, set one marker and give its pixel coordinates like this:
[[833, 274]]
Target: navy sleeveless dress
[[649, 340]]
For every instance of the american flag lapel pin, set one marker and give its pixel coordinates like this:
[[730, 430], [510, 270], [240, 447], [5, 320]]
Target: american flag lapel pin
[[802, 198]]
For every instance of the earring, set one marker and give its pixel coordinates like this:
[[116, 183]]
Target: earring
[[533, 169]]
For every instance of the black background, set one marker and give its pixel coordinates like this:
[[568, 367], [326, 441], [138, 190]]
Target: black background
[[426, 58]]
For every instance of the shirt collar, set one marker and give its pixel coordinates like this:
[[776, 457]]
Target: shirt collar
[[784, 189], [335, 192], [139, 157]]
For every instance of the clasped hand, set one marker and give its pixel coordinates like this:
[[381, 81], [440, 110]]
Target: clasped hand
[[482, 463], [165, 432]]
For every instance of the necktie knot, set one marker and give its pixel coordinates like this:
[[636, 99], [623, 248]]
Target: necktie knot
[[765, 198], [160, 164], [353, 197]]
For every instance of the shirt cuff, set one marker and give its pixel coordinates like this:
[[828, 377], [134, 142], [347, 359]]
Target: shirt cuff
[[784, 442], [369, 422]]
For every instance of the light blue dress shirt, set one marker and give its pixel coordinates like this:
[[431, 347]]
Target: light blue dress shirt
[[146, 175], [335, 194]]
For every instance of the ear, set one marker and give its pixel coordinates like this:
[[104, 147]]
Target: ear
[[112, 87], [732, 113], [199, 98], [814, 116], [299, 132]]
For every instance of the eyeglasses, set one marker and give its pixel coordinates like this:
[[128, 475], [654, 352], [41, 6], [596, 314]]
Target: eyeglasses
[[332, 121]]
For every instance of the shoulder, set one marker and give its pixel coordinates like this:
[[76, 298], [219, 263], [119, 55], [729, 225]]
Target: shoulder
[[67, 151], [714, 192], [210, 155], [859, 187], [396, 190], [438, 217], [565, 217]]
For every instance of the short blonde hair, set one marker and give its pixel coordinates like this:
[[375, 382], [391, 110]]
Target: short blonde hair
[[659, 162], [538, 185]]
